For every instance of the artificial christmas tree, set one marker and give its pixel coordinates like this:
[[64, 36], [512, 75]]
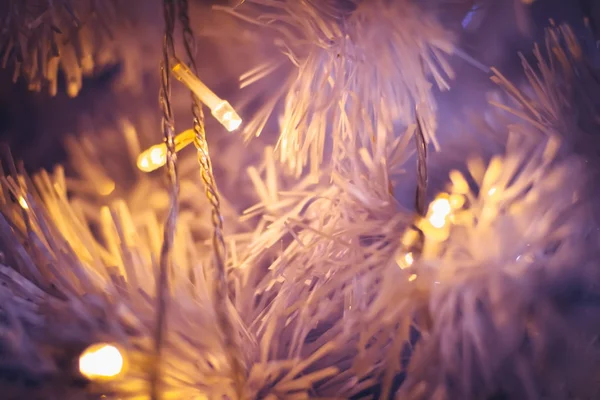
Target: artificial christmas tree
[[363, 247]]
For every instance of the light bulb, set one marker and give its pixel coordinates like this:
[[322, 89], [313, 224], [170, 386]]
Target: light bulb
[[438, 212], [457, 201], [409, 259], [153, 158], [441, 206], [156, 156], [219, 108], [106, 188], [227, 116], [405, 260], [23, 203], [101, 361]]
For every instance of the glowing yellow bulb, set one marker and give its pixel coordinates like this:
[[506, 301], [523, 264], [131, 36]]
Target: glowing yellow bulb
[[23, 203], [156, 156], [456, 201], [219, 108], [227, 116], [492, 191], [101, 361], [153, 158], [439, 210], [405, 261], [106, 188], [412, 277], [441, 206]]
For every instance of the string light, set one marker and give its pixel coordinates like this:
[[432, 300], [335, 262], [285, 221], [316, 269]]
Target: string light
[[405, 260], [156, 156], [439, 210], [409, 259], [106, 188], [457, 201], [101, 361], [436, 224], [23, 203], [219, 108]]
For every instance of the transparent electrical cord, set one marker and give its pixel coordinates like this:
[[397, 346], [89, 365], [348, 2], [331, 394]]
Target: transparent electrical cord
[[162, 282], [421, 193], [414, 240], [221, 300]]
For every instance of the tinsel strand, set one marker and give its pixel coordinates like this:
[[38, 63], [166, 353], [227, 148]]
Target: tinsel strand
[[224, 321], [162, 284]]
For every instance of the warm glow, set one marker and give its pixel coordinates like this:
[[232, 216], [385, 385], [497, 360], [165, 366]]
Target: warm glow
[[106, 188], [439, 210], [227, 116], [23, 203], [219, 108], [153, 158], [491, 191], [101, 361], [412, 277], [456, 201], [156, 156], [405, 260]]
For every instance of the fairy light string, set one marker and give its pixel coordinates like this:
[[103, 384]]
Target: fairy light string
[[421, 144], [226, 325], [166, 261], [414, 238]]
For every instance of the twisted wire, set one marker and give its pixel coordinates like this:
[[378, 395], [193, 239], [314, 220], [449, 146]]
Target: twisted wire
[[421, 194], [421, 191], [162, 283], [221, 300]]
